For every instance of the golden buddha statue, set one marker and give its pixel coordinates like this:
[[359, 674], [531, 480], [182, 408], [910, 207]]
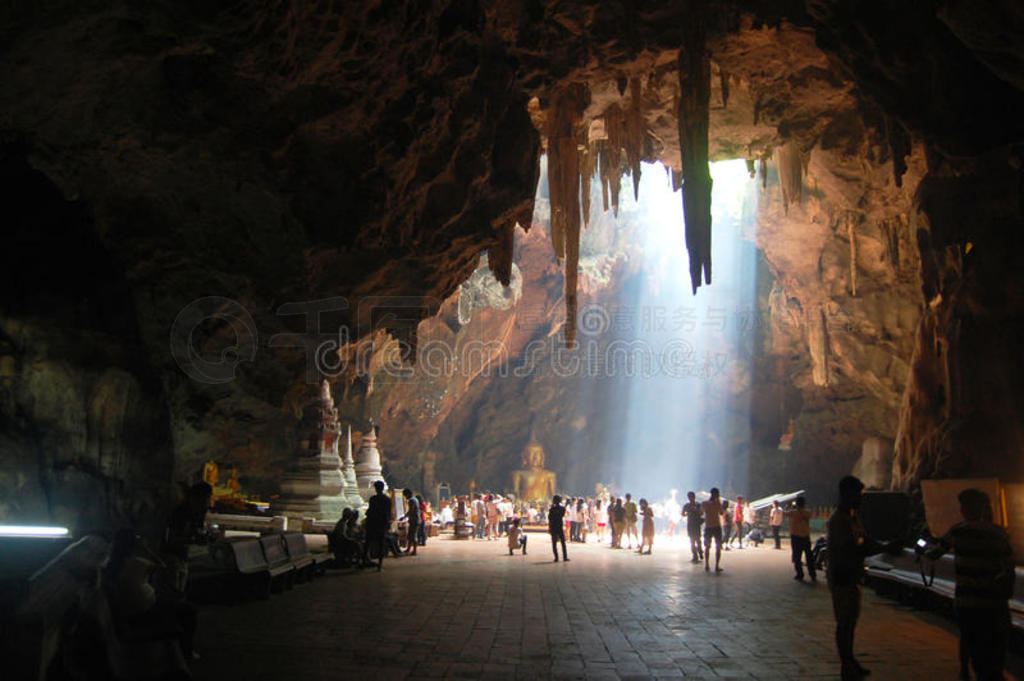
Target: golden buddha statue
[[211, 473], [533, 482]]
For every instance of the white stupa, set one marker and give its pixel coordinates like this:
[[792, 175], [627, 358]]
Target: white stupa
[[368, 469], [312, 487], [350, 486]]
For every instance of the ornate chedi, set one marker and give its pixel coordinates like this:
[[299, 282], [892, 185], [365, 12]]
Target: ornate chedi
[[368, 469], [313, 487], [350, 489], [533, 482]]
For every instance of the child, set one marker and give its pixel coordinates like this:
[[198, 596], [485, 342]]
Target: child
[[647, 529], [516, 537]]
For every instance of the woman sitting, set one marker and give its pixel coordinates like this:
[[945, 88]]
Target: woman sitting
[[344, 540]]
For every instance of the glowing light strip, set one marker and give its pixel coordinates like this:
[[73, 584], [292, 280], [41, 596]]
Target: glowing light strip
[[33, 531]]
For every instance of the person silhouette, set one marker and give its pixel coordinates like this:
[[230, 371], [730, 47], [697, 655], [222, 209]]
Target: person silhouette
[[694, 519], [800, 539], [713, 510], [413, 520], [848, 545], [378, 519], [556, 527], [984, 583]]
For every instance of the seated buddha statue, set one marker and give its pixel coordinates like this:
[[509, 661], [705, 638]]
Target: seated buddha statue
[[211, 473], [533, 482]]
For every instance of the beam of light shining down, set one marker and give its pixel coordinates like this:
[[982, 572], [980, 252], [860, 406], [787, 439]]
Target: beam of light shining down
[[685, 423]]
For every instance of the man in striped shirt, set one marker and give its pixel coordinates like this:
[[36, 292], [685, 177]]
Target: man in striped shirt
[[984, 584]]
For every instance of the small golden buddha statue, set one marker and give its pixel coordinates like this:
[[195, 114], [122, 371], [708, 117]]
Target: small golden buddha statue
[[533, 482], [211, 473]]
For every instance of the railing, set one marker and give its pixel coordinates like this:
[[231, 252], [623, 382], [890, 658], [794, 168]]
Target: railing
[[935, 576], [249, 523]]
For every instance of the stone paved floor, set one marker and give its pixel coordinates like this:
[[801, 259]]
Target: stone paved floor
[[468, 610]]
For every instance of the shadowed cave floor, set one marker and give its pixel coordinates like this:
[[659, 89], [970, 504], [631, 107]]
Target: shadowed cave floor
[[468, 610]]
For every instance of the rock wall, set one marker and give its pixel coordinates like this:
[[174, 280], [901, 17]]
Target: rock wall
[[84, 430]]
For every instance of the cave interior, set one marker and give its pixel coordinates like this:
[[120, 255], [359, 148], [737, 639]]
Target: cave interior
[[305, 190]]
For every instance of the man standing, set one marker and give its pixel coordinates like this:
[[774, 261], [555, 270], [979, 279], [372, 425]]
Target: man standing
[[631, 518], [556, 527], [413, 519], [479, 516], [984, 583], [492, 517], [713, 529], [800, 539], [775, 521], [848, 545], [618, 513], [378, 520], [425, 517], [738, 516], [691, 511]]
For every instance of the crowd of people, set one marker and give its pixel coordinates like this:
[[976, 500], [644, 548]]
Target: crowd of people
[[984, 564], [623, 522], [355, 543]]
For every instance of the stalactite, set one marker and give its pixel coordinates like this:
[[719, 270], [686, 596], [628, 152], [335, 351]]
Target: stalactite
[[572, 259], [635, 128], [611, 162], [499, 255], [601, 154], [588, 161], [694, 101], [888, 228], [762, 171], [563, 135], [899, 145], [817, 344], [791, 170], [723, 79], [851, 230]]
